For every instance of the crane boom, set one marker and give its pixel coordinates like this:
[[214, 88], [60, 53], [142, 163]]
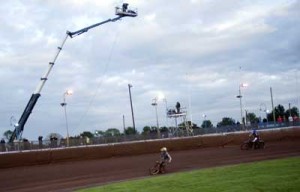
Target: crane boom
[[19, 127]]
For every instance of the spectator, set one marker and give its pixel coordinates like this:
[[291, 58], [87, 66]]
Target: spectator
[[295, 120], [178, 107], [2, 143], [26, 144], [40, 142], [87, 140], [291, 121], [279, 120], [53, 141]]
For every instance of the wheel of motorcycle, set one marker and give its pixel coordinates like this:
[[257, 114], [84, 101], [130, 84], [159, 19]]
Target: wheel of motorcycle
[[261, 145], [155, 169], [245, 146]]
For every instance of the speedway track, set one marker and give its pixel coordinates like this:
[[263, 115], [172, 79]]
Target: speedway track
[[81, 174]]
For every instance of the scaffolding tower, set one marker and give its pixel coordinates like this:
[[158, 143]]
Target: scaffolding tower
[[180, 113]]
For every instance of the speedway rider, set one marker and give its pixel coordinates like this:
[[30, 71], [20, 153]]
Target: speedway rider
[[164, 158], [254, 138]]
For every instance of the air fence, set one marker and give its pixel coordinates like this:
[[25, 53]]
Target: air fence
[[100, 140]]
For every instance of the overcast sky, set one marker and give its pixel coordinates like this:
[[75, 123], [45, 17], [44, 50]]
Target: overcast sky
[[196, 52]]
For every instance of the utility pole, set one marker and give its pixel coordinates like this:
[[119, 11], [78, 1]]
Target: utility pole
[[124, 123], [274, 119], [133, 123], [124, 129], [241, 106]]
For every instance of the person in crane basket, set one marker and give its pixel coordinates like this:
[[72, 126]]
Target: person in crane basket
[[124, 7], [126, 10]]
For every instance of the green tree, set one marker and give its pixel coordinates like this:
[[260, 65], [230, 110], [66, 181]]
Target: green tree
[[251, 117], [226, 121], [192, 125], [7, 134], [153, 129], [164, 129], [130, 131], [112, 132], [293, 112], [146, 130], [206, 124], [87, 134], [54, 135], [99, 133], [279, 111]]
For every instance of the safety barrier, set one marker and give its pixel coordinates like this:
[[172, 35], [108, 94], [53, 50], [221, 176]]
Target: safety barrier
[[56, 155]]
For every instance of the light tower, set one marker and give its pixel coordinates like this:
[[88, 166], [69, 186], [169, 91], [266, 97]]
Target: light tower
[[64, 105]]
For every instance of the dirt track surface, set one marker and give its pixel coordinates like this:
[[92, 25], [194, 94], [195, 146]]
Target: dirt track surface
[[81, 174]]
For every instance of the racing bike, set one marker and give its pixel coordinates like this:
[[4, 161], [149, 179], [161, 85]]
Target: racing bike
[[158, 167], [250, 144]]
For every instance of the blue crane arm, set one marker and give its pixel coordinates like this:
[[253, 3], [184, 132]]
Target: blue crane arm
[[19, 127], [79, 32]]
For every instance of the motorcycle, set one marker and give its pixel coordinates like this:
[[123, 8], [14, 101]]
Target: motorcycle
[[158, 167], [250, 144]]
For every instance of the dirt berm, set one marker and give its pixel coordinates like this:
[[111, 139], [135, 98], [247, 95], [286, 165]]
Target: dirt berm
[[37, 157]]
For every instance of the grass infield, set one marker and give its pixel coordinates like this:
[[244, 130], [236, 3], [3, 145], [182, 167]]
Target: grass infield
[[281, 175]]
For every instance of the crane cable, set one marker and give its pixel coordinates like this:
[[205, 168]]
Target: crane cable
[[100, 83]]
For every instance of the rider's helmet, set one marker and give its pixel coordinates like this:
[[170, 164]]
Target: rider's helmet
[[163, 149], [254, 132]]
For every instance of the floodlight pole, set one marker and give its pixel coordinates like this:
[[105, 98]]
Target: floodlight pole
[[133, 123], [154, 103], [64, 105], [241, 106]]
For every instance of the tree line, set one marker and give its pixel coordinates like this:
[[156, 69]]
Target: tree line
[[251, 118]]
